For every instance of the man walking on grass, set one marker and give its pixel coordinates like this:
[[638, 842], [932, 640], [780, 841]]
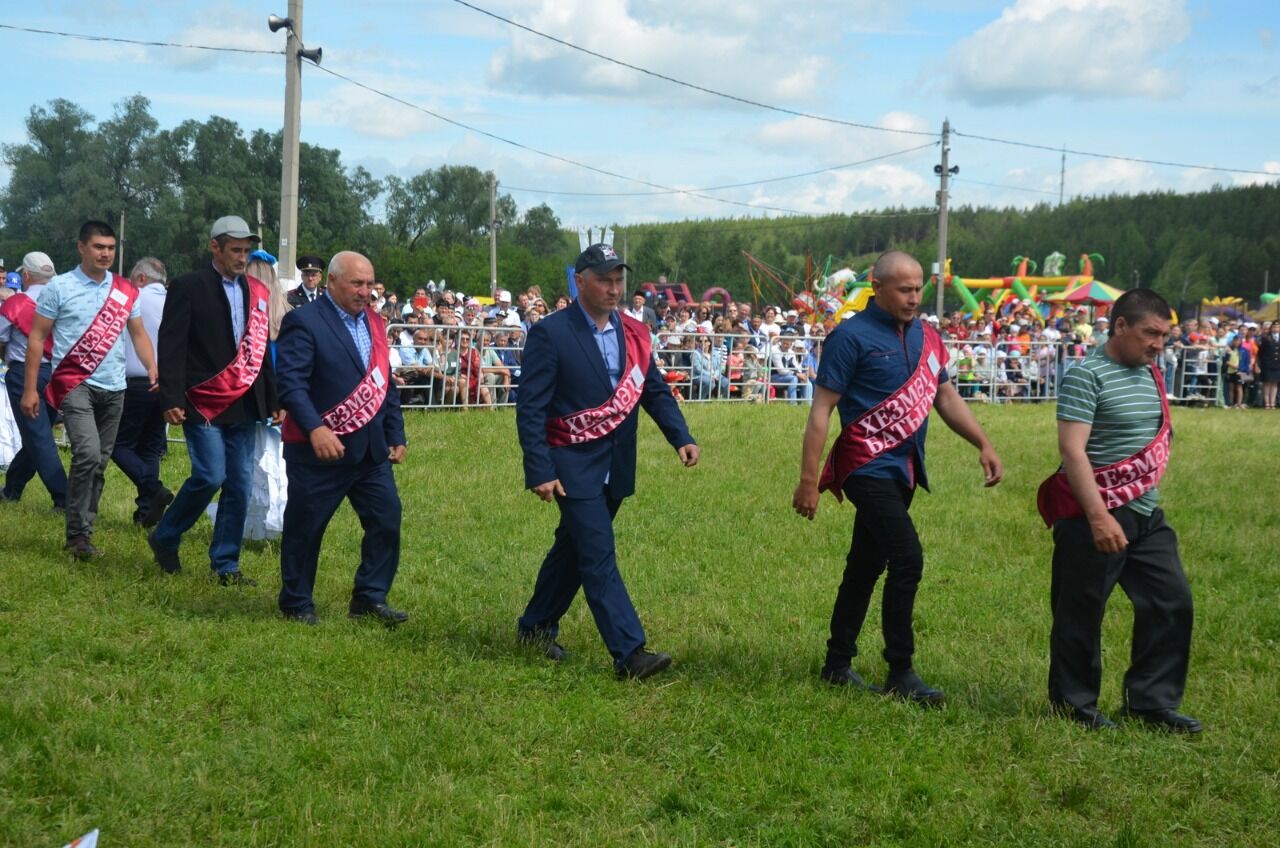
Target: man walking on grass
[[884, 369], [1102, 504], [216, 381], [586, 371], [87, 310]]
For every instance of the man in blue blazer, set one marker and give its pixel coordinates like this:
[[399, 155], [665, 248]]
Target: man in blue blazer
[[343, 432], [586, 371]]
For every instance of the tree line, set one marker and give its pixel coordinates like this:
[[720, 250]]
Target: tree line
[[171, 183]]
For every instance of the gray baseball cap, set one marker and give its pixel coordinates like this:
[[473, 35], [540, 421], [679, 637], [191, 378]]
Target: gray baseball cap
[[234, 226]]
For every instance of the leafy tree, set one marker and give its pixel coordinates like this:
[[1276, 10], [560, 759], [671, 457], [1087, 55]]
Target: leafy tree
[[540, 231]]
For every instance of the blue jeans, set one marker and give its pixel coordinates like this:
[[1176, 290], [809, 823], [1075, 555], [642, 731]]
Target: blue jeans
[[221, 458], [39, 455], [788, 380]]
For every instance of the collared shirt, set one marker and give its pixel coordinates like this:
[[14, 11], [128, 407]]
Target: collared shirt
[[607, 342], [866, 359], [151, 304], [14, 340], [235, 299], [72, 300], [357, 326]]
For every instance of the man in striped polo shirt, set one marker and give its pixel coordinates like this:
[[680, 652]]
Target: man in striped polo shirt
[[1110, 410]]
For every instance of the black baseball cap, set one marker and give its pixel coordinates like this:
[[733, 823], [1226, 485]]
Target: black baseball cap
[[599, 259]]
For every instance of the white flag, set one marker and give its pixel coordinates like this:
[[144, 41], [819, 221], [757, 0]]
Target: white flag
[[89, 840]]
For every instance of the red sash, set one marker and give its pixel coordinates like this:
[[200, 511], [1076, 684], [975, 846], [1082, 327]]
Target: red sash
[[92, 347], [1119, 482], [890, 422], [212, 397], [362, 405], [20, 311], [591, 424]]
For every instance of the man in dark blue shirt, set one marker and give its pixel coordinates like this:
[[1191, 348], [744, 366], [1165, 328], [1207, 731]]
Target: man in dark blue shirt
[[866, 360]]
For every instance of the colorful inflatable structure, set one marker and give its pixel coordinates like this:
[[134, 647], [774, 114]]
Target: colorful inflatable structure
[[1022, 283]]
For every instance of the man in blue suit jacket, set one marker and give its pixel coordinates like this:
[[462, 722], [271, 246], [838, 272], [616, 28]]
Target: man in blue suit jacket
[[577, 411], [340, 440]]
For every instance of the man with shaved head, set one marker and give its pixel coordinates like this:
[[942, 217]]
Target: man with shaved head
[[884, 370], [342, 433]]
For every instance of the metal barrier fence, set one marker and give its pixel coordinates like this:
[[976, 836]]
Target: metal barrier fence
[[440, 367]]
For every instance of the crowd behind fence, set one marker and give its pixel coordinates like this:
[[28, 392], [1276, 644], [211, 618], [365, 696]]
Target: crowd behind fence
[[460, 367]]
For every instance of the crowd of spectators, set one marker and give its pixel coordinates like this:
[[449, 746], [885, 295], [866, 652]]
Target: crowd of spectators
[[453, 350]]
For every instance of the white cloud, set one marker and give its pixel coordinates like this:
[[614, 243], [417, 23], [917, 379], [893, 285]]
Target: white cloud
[[769, 50], [1111, 176], [1085, 49], [836, 143], [875, 187], [1271, 167], [1266, 37]]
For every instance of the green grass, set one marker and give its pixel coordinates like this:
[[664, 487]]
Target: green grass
[[172, 711]]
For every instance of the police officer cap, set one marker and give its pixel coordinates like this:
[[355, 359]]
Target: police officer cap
[[310, 262]]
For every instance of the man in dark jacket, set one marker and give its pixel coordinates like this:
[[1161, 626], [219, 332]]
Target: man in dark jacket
[[217, 382]]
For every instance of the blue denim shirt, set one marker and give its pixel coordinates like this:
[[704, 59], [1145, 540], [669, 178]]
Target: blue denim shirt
[[866, 359], [72, 300]]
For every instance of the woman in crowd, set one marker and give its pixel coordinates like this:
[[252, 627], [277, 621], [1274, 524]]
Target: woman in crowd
[[1268, 364]]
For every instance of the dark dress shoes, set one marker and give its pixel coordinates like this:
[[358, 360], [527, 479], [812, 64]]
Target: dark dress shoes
[[643, 664], [550, 648], [165, 558], [846, 676], [305, 617], [235, 578], [382, 612], [908, 686], [1167, 719], [1090, 718], [81, 548], [156, 505]]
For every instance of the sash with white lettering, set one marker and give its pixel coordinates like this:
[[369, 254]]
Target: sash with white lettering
[[365, 400], [212, 397], [591, 424], [20, 311], [890, 422], [92, 347], [1118, 483]]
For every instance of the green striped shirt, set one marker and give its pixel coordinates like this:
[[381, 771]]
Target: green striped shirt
[[1121, 404]]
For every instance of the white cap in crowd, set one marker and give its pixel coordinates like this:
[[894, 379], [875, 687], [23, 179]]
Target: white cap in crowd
[[38, 264]]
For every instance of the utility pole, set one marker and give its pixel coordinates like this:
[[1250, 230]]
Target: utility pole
[[259, 220], [624, 260], [120, 249], [493, 235], [1062, 174], [289, 142], [943, 171]]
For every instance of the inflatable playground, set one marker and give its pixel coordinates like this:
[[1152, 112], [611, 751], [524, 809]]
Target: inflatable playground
[[844, 292]]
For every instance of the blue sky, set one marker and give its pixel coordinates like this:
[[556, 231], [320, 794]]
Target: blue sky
[[1188, 82]]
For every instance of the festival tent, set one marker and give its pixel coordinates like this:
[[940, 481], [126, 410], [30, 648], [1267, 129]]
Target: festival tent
[[1092, 293], [1269, 312]]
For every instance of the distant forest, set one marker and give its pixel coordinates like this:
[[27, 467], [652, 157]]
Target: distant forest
[[172, 183]]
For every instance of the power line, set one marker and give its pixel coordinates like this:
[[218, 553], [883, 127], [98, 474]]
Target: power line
[[722, 187], [84, 37], [557, 157], [1111, 155], [750, 225], [1003, 185], [690, 85]]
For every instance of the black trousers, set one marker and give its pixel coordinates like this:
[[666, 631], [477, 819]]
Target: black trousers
[[140, 441], [884, 539], [1150, 572]]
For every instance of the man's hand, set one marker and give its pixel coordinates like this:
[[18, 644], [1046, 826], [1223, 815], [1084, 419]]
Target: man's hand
[[153, 376], [805, 499], [549, 490], [396, 454], [689, 454], [30, 403], [177, 415], [277, 418], [1108, 535], [327, 446], [992, 467]]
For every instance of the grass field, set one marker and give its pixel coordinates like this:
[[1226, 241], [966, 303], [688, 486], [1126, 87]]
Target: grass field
[[175, 712]]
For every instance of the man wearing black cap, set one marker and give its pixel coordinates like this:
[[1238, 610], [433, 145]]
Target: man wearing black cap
[[217, 382], [586, 369], [311, 267]]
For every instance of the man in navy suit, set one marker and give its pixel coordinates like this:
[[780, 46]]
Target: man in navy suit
[[343, 432], [586, 370]]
